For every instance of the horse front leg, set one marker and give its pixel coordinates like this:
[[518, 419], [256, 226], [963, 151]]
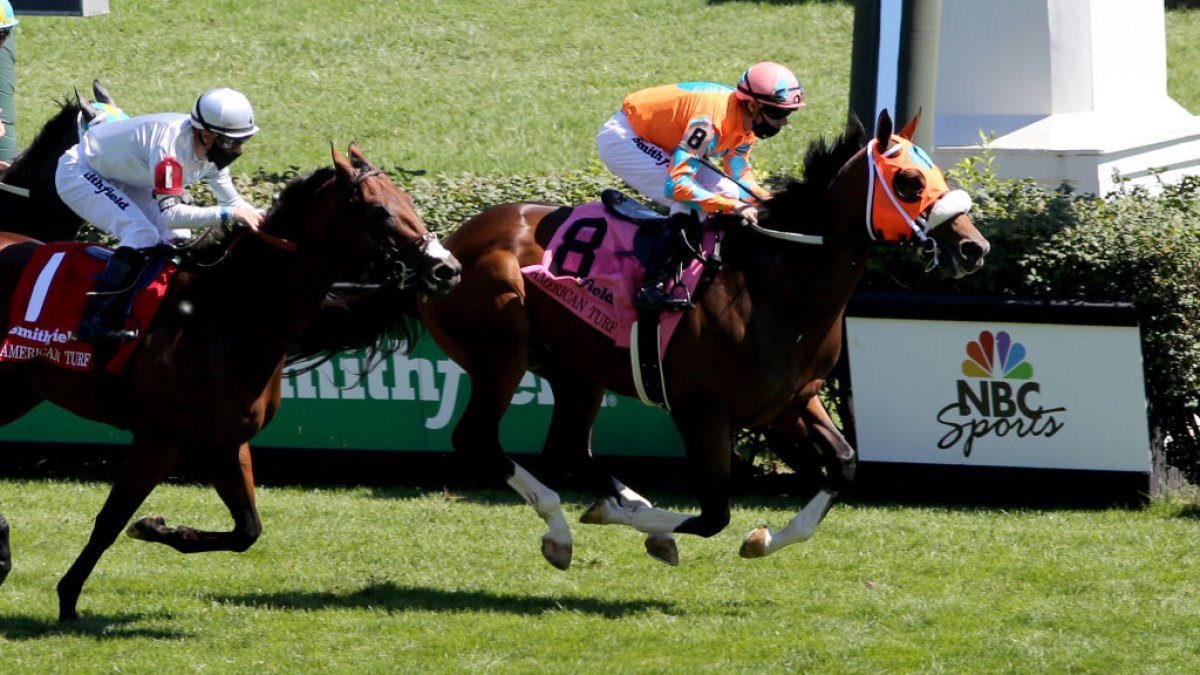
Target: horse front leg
[[233, 479], [5, 551], [145, 467], [810, 425], [15, 401], [709, 444]]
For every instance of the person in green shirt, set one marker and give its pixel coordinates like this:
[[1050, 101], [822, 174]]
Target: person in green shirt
[[8, 58]]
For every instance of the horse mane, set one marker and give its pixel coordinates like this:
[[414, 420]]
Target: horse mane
[[822, 162], [46, 142], [297, 196], [291, 203]]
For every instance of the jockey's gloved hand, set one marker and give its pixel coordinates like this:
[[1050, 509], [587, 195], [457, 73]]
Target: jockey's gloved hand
[[247, 216], [748, 212]]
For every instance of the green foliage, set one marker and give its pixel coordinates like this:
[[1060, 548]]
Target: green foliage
[[446, 201]]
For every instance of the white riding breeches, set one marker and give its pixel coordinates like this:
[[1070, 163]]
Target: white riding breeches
[[129, 213], [645, 166]]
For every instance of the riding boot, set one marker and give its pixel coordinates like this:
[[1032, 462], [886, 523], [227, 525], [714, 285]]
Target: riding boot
[[104, 318], [653, 293]]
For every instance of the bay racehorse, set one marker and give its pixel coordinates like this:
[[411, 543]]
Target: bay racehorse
[[205, 377], [754, 351], [29, 202]]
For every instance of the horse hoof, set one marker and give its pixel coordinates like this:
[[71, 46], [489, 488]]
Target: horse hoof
[[146, 528], [594, 515], [756, 544], [556, 554], [662, 548]]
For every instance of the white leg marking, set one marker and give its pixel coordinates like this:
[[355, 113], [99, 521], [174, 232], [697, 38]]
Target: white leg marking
[[636, 512], [544, 501], [801, 528], [632, 497]]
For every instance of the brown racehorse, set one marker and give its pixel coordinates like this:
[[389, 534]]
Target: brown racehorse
[[754, 351], [29, 202], [206, 376]]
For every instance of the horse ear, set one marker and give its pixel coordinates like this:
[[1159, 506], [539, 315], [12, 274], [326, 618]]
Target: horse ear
[[910, 129], [340, 162], [883, 129], [101, 93], [358, 159]]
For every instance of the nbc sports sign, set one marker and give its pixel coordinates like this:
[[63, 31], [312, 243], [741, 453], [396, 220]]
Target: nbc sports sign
[[998, 383]]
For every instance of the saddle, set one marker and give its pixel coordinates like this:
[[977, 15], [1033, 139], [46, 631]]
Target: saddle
[[50, 299], [656, 245], [621, 204], [664, 252]]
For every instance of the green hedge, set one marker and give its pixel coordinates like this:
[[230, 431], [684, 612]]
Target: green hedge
[[1045, 244]]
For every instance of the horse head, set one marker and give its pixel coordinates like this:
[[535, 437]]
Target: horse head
[[906, 200], [29, 202], [405, 252]]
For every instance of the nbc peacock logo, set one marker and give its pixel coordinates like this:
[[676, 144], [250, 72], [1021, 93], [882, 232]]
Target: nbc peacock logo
[[997, 396]]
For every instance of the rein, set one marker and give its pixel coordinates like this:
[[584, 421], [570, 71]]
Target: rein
[[13, 189], [277, 242]]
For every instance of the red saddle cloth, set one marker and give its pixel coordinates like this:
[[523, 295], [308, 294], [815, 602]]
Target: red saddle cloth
[[49, 302], [589, 268]]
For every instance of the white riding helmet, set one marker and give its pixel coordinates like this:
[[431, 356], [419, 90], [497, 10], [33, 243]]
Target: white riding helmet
[[226, 112]]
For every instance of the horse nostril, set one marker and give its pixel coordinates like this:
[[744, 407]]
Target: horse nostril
[[444, 272], [972, 250]]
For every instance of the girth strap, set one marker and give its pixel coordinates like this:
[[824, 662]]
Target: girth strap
[[648, 376]]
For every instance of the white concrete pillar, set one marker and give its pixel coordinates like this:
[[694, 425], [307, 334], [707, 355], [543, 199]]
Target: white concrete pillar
[[1071, 89]]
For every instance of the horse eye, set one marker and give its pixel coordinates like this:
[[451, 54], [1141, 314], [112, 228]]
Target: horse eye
[[379, 213], [909, 184]]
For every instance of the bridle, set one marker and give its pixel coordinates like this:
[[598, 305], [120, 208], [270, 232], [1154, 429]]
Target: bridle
[[919, 225], [399, 272]]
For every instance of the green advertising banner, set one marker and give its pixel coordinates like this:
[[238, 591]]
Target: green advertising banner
[[406, 402]]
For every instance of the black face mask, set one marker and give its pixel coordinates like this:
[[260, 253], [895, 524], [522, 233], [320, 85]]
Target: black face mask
[[221, 157], [764, 129]]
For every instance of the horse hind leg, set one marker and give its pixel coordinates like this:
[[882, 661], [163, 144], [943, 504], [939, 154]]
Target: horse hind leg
[[477, 436], [708, 446], [814, 430], [233, 479], [568, 443]]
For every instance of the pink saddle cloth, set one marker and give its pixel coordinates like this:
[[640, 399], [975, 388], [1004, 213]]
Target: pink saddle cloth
[[49, 302], [589, 268]]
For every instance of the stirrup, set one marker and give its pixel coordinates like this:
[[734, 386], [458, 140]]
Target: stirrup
[[95, 331], [657, 297]]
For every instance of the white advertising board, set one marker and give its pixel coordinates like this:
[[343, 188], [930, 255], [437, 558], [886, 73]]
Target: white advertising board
[[998, 393]]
